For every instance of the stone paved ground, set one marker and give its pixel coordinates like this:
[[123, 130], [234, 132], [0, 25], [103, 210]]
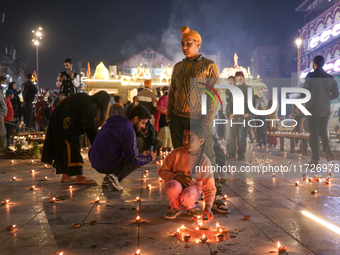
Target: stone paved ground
[[274, 203]]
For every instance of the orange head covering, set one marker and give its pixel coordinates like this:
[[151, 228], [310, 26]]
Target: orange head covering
[[147, 83], [187, 33]]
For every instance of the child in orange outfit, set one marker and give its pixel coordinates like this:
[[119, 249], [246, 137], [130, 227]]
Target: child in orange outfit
[[186, 174]]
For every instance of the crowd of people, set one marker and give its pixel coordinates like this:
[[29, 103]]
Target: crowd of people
[[133, 134]]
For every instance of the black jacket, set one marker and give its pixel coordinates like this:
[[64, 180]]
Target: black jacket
[[323, 89], [30, 90], [244, 88], [149, 137]]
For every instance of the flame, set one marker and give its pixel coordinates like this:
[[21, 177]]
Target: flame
[[278, 245]]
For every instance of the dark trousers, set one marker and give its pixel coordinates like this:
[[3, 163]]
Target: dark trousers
[[235, 130], [28, 114], [122, 171], [317, 127], [9, 128]]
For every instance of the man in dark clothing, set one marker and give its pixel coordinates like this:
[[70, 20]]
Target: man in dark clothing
[[323, 89], [238, 120], [68, 80], [114, 152], [16, 103], [30, 90], [147, 139], [116, 108]]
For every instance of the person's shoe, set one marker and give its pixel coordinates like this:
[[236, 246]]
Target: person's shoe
[[68, 179], [113, 182], [241, 158], [84, 180], [329, 153], [313, 162], [194, 212], [172, 213], [220, 206], [231, 158]]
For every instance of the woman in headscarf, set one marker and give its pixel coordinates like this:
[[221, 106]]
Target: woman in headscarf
[[74, 116]]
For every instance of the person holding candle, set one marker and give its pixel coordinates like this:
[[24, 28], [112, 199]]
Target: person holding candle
[[74, 116], [184, 182], [114, 152]]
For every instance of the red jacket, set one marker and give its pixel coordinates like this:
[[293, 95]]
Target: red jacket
[[10, 111]]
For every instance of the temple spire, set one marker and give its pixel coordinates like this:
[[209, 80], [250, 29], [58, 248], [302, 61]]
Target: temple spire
[[235, 60]]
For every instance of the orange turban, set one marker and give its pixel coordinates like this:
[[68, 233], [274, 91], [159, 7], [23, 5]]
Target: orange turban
[[147, 83], [187, 33]]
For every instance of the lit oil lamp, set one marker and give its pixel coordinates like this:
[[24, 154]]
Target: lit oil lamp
[[5, 202], [178, 232], [87, 148], [32, 171], [138, 219], [45, 166], [138, 199], [146, 171], [281, 249], [9, 228], [137, 252], [12, 161], [45, 178], [69, 187], [246, 217], [32, 187], [97, 200], [224, 197], [161, 180], [52, 200], [149, 186], [297, 183], [32, 161], [314, 192], [218, 227], [328, 182], [197, 241], [182, 227], [204, 239], [144, 176], [14, 178]]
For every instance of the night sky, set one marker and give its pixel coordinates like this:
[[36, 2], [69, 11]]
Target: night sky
[[111, 31]]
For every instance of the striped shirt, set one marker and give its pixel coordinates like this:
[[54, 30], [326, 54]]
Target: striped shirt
[[185, 99]]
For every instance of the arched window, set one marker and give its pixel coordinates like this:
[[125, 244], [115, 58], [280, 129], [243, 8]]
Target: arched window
[[320, 28], [328, 57], [337, 53], [337, 17], [311, 32], [329, 22]]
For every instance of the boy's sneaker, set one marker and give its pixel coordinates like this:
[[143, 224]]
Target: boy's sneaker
[[113, 181], [220, 206], [172, 213], [194, 212]]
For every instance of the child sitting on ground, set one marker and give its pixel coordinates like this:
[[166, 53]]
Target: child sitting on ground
[[186, 172]]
